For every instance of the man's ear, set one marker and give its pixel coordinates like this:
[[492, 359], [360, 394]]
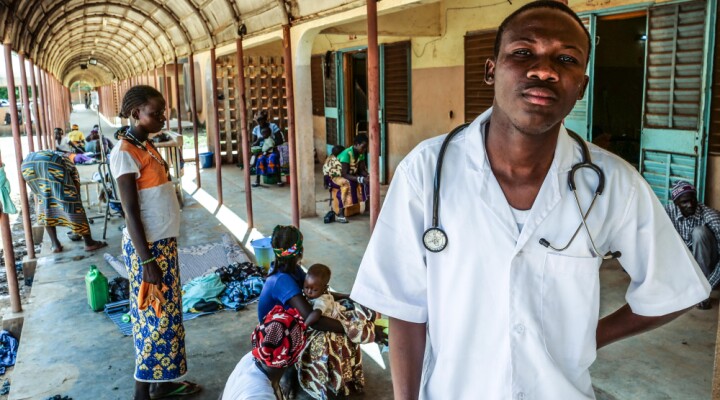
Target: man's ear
[[584, 88], [490, 71]]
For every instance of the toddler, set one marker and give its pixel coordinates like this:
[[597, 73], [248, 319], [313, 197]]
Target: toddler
[[315, 288]]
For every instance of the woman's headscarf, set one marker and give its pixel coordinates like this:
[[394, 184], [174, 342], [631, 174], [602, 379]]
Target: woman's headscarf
[[293, 249], [280, 339]]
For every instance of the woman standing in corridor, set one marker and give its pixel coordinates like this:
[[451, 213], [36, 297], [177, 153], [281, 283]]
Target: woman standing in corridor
[[152, 216]]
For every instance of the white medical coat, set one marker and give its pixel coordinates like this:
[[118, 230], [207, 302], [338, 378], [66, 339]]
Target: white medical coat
[[506, 317]]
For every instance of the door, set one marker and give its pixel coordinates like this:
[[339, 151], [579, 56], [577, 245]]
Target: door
[[673, 128], [333, 99], [580, 118]]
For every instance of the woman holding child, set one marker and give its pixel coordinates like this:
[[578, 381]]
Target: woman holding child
[[332, 360]]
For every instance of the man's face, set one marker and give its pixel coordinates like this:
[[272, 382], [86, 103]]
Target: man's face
[[687, 204], [539, 73]]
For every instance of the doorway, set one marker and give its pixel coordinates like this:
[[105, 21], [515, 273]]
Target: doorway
[[618, 89], [356, 101]]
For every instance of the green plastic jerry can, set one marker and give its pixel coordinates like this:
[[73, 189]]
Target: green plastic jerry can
[[96, 285]]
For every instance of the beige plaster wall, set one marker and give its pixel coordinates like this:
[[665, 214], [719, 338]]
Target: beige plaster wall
[[436, 94], [319, 139]]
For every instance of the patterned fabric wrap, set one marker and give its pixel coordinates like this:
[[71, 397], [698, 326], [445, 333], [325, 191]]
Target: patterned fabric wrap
[[159, 341], [347, 193], [292, 251], [333, 362], [680, 188], [267, 164], [284, 152], [332, 167], [56, 183], [280, 339]]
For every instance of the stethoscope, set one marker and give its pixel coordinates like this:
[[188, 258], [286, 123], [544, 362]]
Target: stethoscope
[[435, 239]]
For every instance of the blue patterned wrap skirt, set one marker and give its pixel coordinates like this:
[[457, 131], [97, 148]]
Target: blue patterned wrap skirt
[[159, 342]]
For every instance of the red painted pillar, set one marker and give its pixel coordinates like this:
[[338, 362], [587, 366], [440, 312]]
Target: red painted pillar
[[193, 95], [216, 134], [373, 77], [36, 108], [244, 142], [157, 83], [168, 100], [26, 104], [43, 108], [27, 225], [290, 98], [177, 97]]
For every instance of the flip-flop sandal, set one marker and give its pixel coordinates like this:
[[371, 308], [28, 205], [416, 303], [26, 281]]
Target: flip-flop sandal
[[185, 388], [96, 246], [57, 249], [74, 237], [340, 219]]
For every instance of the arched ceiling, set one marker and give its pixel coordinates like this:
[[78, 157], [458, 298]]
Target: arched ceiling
[[131, 37]]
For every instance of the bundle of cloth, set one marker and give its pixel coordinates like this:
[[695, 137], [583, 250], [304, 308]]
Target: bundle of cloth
[[230, 287]]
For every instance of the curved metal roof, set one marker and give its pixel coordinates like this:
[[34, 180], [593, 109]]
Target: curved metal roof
[[131, 37]]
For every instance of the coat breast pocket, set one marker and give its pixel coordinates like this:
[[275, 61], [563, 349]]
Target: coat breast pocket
[[570, 310]]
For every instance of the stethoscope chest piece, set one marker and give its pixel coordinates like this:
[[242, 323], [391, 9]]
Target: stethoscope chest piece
[[435, 239]]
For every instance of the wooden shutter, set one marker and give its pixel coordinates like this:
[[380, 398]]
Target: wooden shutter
[[715, 101], [397, 82], [675, 61], [331, 128], [478, 95], [316, 78]]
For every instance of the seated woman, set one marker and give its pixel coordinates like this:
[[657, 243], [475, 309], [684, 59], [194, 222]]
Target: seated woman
[[267, 162], [354, 178], [332, 360], [93, 142], [56, 184]]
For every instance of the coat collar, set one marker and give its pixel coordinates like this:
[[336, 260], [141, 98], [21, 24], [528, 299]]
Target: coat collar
[[483, 181]]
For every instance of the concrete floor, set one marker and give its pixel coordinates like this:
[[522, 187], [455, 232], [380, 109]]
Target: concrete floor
[[67, 349]]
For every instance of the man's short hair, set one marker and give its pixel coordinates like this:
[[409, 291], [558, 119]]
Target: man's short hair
[[360, 139], [553, 4]]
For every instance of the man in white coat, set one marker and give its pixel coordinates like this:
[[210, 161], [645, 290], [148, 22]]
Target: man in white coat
[[498, 313]]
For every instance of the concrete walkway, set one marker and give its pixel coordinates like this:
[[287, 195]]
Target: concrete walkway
[[67, 349]]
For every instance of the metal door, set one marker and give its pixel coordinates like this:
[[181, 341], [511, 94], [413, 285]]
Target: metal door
[[580, 118], [334, 132], [673, 129]]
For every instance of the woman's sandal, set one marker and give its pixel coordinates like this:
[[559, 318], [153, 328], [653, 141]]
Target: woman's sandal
[[98, 245], [185, 388], [74, 236], [57, 249], [341, 219]]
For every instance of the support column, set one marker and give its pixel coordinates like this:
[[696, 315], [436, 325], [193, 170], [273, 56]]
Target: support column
[[179, 120], [8, 250], [373, 77], [216, 134], [193, 107], [157, 83], [243, 141], [288, 67], [26, 106], [36, 114], [166, 94], [43, 109], [27, 225]]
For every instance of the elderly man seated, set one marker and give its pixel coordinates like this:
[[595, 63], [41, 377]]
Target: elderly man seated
[[699, 227]]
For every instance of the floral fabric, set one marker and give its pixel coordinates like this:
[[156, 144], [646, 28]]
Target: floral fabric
[[159, 341]]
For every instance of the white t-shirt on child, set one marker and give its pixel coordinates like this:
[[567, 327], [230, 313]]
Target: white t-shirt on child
[[327, 306]]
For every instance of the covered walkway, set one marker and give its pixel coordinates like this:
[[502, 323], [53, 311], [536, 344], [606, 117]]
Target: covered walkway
[[400, 70]]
